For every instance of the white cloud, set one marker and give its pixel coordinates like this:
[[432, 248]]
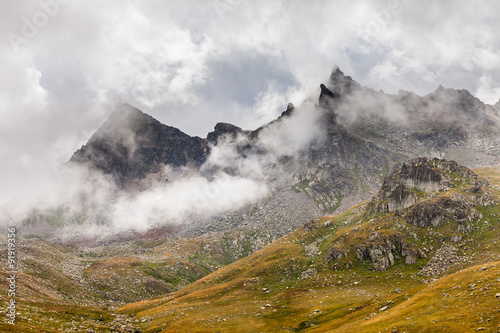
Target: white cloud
[[174, 203], [159, 55], [488, 89]]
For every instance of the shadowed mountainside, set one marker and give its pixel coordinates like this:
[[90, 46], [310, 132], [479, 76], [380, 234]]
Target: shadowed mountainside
[[130, 145]]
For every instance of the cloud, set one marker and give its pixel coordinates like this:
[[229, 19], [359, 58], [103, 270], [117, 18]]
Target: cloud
[[164, 56], [79, 202], [489, 88], [179, 201], [293, 134], [366, 103]]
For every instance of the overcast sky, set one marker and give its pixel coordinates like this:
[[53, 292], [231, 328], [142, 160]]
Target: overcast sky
[[67, 64]]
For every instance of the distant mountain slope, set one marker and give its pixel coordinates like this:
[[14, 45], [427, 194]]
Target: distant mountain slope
[[63, 288]]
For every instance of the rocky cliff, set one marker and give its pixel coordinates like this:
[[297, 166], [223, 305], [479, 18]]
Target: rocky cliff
[[425, 193], [130, 145]]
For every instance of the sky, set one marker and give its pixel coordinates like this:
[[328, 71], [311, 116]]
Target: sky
[[67, 64]]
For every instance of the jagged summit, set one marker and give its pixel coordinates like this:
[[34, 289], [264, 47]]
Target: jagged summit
[[131, 145], [338, 85], [341, 84], [124, 121], [332, 94], [222, 130], [452, 101]]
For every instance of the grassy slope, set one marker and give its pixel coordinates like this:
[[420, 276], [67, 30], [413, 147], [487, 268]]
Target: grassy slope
[[61, 288], [41, 309], [461, 302], [341, 297], [232, 300]]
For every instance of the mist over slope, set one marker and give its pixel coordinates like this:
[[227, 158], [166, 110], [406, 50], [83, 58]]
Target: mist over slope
[[324, 155]]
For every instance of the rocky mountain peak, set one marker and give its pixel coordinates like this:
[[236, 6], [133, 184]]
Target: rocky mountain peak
[[341, 84], [289, 110], [124, 122], [333, 93], [454, 102], [407, 183], [130, 145], [223, 129]]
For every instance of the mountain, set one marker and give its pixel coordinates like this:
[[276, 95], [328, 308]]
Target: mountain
[[131, 145], [414, 236], [320, 158], [360, 125], [421, 255]]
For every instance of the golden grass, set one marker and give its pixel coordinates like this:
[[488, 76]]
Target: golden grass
[[461, 302], [490, 173]]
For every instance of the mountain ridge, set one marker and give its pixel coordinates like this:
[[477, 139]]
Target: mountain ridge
[[131, 144], [340, 87], [315, 158]]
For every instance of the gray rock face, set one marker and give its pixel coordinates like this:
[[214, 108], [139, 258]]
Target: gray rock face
[[383, 251], [130, 145], [334, 254], [401, 187], [221, 130], [381, 256], [400, 198], [436, 212], [420, 174]]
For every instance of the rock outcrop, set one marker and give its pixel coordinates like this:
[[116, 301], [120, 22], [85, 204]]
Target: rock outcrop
[[383, 250], [433, 194], [404, 185], [335, 254], [223, 130], [439, 210]]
